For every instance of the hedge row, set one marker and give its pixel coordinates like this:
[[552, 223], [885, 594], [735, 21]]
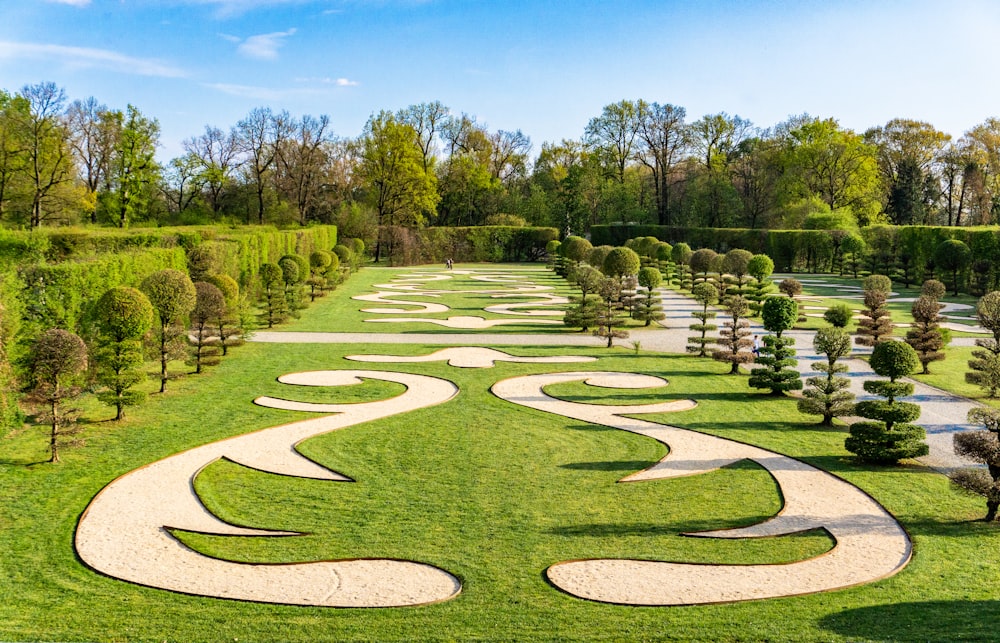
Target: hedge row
[[888, 249], [406, 246], [52, 277]]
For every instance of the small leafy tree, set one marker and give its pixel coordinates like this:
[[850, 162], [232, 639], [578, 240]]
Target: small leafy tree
[[838, 315], [760, 267], [875, 325], [575, 249], [294, 273], [791, 287], [664, 261], [681, 254], [925, 334], [981, 446], [209, 306], [828, 395], [953, 256], [123, 315], [734, 338], [777, 354], [319, 262], [202, 261], [736, 266], [707, 295], [649, 309], [985, 362], [609, 318], [585, 307], [57, 357], [272, 283], [701, 263], [227, 323], [173, 297], [933, 288], [888, 435], [346, 256], [853, 250]]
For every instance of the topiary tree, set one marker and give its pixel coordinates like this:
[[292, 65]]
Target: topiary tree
[[294, 272], [609, 318], [575, 249], [875, 325], [621, 262], [201, 261], [828, 395], [838, 315], [597, 256], [650, 309], [57, 357], [272, 281], [173, 296], [228, 323], [953, 256], [552, 253], [664, 260], [585, 307], [888, 435], [985, 362], [853, 250], [701, 263], [734, 341], [345, 255], [777, 354], [791, 287], [736, 265], [981, 446], [760, 267], [319, 262], [210, 305], [933, 288], [707, 295], [681, 255], [123, 316], [925, 334]]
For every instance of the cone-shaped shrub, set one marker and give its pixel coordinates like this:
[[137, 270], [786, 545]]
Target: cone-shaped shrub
[[777, 356]]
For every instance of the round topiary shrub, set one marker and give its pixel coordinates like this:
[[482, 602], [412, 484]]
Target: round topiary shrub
[[838, 315], [124, 314], [620, 262]]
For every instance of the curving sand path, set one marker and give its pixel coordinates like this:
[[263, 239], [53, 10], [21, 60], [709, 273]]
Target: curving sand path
[[125, 532], [464, 322], [870, 544], [415, 307], [469, 357]]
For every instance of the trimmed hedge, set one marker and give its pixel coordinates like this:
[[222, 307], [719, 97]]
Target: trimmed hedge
[[904, 252], [468, 244]]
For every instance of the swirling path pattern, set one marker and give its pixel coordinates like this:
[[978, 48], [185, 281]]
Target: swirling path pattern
[[870, 544], [126, 531]]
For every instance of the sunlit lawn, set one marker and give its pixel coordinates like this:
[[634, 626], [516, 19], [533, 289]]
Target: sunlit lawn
[[492, 492]]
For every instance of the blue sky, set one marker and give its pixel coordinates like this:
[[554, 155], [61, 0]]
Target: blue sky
[[543, 67]]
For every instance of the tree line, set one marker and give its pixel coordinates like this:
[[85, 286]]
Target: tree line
[[64, 162]]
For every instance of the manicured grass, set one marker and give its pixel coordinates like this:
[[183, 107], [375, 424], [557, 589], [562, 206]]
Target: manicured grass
[[491, 492], [340, 313]]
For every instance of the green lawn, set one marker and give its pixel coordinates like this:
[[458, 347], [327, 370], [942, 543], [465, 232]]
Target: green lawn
[[490, 491]]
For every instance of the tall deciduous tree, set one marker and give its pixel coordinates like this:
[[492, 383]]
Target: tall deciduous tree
[[132, 172], [258, 138], [662, 142], [302, 160], [392, 171], [217, 153], [47, 156]]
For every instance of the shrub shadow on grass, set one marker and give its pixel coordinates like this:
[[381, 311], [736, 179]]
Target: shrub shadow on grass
[[918, 621], [669, 528], [620, 465], [590, 427]]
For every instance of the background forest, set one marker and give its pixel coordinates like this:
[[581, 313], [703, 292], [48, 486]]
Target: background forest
[[65, 162]]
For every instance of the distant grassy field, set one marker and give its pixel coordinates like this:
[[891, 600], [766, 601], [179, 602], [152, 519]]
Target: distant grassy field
[[489, 491]]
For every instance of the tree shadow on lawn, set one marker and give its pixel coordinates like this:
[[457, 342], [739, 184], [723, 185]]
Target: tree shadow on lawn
[[614, 465], [668, 528], [958, 620]]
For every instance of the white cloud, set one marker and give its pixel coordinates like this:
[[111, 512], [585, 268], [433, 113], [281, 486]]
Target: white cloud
[[265, 93], [72, 3], [339, 82], [263, 46], [88, 58]]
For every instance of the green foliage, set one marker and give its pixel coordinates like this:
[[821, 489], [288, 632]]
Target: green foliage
[[649, 309], [953, 256], [734, 338], [933, 288], [875, 325], [777, 359], [894, 360], [272, 279], [828, 396], [610, 318], [701, 261], [925, 334], [621, 262], [56, 358], [838, 315], [173, 297], [779, 314], [209, 306], [707, 295], [760, 267], [124, 314], [889, 436], [981, 446]]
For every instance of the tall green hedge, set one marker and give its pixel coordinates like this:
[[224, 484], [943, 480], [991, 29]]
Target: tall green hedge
[[903, 251], [470, 244]]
